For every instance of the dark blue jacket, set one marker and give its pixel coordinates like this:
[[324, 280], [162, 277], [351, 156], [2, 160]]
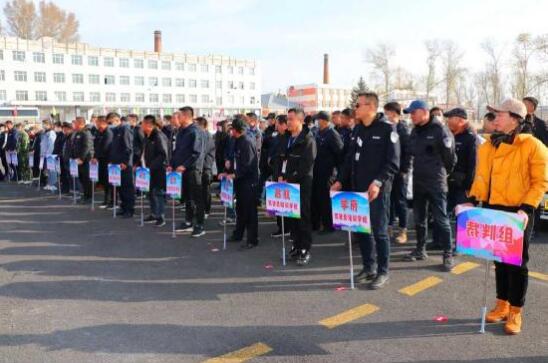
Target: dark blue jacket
[[121, 148], [246, 160], [11, 144], [189, 149], [329, 146]]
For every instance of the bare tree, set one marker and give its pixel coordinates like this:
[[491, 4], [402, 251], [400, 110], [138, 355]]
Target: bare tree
[[380, 59], [493, 72], [433, 51], [451, 60], [21, 18], [525, 79], [56, 23]]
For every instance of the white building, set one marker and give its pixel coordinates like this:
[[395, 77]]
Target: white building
[[77, 79]]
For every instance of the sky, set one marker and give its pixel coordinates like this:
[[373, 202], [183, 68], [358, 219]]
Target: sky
[[289, 38]]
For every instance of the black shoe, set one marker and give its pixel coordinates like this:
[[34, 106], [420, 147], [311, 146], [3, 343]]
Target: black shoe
[[364, 276], [380, 281], [184, 227], [293, 253], [111, 207], [448, 262], [160, 222], [198, 231], [127, 215], [303, 258], [433, 247], [278, 234], [326, 231], [150, 219], [84, 201], [416, 255], [234, 239], [120, 212], [248, 246]]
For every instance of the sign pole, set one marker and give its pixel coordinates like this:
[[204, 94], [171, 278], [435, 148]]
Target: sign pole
[[142, 209], [39, 177], [224, 231], [114, 201], [173, 234], [283, 242], [93, 195], [73, 190], [351, 260], [59, 185], [484, 308]]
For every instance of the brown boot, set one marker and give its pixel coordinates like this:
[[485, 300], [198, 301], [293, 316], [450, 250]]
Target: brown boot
[[513, 324], [499, 313], [401, 237]]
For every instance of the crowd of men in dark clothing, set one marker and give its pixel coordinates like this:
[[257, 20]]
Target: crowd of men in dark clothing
[[356, 149]]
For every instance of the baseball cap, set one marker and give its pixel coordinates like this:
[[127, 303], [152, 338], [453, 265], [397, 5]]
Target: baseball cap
[[416, 105], [511, 105], [456, 112]]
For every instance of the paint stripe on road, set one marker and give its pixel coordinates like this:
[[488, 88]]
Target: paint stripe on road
[[464, 267], [242, 355], [420, 286], [348, 316], [538, 275]]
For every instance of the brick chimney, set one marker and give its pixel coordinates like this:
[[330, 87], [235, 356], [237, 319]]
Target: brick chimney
[[325, 69], [157, 41]]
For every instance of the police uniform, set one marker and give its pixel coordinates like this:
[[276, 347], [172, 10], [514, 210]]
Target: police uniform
[[101, 144], [82, 148], [121, 152], [374, 157]]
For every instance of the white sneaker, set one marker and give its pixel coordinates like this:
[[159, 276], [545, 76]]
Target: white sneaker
[[47, 187], [53, 188]]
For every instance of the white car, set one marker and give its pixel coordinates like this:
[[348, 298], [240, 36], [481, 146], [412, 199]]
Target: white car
[[544, 208]]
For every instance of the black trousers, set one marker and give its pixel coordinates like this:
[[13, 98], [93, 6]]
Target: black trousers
[[127, 191], [512, 281], [66, 182], [206, 190], [321, 203], [85, 182], [301, 229], [193, 197], [103, 180], [246, 211]]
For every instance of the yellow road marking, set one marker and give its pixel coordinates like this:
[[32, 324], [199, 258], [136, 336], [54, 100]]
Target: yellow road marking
[[538, 275], [420, 286], [464, 267], [242, 355], [348, 316]]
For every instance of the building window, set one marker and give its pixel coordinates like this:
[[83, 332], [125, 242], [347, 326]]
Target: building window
[[139, 81], [94, 79], [78, 78], [241, 85], [39, 76], [139, 97], [180, 98], [252, 100], [18, 56], [230, 84], [204, 83], [78, 96], [153, 81], [108, 62], [218, 69], [166, 82], [58, 59], [41, 95], [60, 96], [153, 97], [21, 95], [166, 65], [192, 67], [152, 64], [76, 60], [138, 63], [204, 68], [252, 71], [2, 75], [231, 99], [59, 77], [109, 80], [1, 57], [124, 97], [95, 97], [93, 61], [124, 63], [20, 76], [230, 70], [124, 80], [110, 97], [240, 70], [3, 95], [192, 83], [39, 57], [179, 66], [252, 85], [205, 98], [179, 82], [166, 98], [193, 99], [219, 101]]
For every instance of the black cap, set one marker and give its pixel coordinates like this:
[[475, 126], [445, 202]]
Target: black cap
[[322, 115], [456, 112], [239, 125], [533, 100]]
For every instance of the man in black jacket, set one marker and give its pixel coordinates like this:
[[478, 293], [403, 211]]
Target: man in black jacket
[[295, 164], [121, 152], [433, 149], [155, 157], [538, 126], [82, 151], [398, 196], [264, 167], [209, 159], [188, 158], [372, 160], [101, 145], [64, 155], [329, 146], [245, 173]]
